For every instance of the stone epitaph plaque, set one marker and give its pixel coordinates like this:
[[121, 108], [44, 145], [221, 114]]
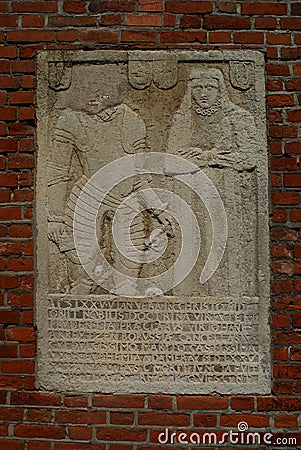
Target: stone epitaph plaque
[[152, 222]]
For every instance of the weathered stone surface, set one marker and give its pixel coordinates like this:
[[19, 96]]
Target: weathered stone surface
[[108, 320]]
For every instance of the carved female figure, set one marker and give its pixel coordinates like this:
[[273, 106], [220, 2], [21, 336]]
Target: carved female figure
[[209, 129], [221, 138]]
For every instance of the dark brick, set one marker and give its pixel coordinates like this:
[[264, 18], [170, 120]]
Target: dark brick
[[296, 9]]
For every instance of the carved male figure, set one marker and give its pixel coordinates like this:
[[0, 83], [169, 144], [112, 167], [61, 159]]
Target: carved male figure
[[106, 131]]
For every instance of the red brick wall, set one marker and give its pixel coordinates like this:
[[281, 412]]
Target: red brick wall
[[33, 420]]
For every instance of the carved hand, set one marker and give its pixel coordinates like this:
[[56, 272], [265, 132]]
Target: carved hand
[[197, 155], [55, 230], [164, 220], [233, 160]]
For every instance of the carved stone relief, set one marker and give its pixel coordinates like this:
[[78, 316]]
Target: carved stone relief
[[159, 68], [242, 74], [148, 162], [59, 74]]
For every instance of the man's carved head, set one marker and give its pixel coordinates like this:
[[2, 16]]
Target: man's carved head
[[206, 88], [205, 91]]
